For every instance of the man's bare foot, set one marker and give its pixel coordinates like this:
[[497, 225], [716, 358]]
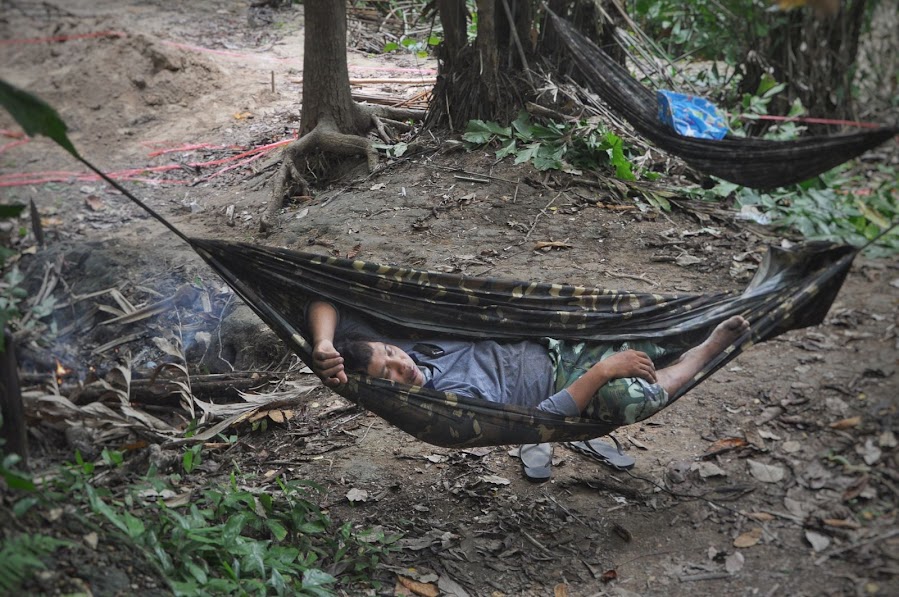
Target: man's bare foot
[[672, 378]]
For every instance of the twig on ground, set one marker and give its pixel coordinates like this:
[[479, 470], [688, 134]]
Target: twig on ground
[[537, 217], [703, 576], [856, 545]]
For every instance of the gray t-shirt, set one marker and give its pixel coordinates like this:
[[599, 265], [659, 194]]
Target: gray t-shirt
[[505, 372]]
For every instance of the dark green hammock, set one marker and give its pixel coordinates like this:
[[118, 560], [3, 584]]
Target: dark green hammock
[[755, 163], [792, 289]]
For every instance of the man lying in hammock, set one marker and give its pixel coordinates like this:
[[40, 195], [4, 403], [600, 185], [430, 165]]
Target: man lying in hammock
[[615, 384]]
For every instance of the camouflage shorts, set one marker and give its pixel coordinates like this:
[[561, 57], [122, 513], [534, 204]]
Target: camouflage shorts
[[621, 401]]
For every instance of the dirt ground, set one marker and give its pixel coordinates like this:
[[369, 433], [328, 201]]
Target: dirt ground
[[816, 408]]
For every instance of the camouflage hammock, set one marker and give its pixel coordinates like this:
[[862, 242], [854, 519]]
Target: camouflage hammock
[[755, 163], [792, 289]]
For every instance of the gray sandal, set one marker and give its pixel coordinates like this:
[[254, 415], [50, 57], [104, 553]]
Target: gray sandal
[[605, 453], [537, 461]]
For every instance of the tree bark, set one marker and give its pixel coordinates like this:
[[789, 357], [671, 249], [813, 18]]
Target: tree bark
[[816, 56], [485, 79], [455, 31], [13, 429], [488, 52], [326, 80]]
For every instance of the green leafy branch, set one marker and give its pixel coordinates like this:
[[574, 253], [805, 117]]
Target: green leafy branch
[[833, 207], [570, 147]]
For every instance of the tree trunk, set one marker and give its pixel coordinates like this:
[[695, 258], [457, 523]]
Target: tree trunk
[[489, 80], [331, 121], [484, 80], [588, 17], [488, 52], [816, 57], [455, 31], [11, 408], [326, 80]]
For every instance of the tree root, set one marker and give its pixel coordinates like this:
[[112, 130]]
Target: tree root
[[290, 181], [327, 138]]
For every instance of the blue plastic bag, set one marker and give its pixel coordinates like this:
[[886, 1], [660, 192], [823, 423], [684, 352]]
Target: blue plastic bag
[[691, 116]]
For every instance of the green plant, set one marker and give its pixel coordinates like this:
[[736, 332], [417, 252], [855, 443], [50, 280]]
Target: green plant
[[570, 147], [757, 104], [20, 555], [711, 29], [418, 47], [397, 150], [191, 458], [232, 540], [112, 458], [833, 207], [9, 472]]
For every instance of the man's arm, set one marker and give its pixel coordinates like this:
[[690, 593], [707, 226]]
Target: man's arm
[[326, 361], [629, 363]]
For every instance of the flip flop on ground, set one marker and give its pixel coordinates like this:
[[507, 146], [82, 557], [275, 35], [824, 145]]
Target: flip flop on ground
[[537, 461], [604, 453]]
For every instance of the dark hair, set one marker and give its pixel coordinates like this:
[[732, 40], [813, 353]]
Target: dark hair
[[356, 353]]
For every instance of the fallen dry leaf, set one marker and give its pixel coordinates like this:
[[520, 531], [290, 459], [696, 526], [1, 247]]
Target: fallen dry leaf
[[846, 423], [687, 260], [357, 495], [856, 488], [765, 434], [724, 445], [609, 575], [352, 254], [182, 499], [749, 538], [279, 416], [818, 541], [495, 479], [708, 469], [419, 588], [791, 446], [560, 590], [92, 540], [734, 562], [870, 453], [841, 523], [259, 414], [450, 588], [766, 473], [759, 516]]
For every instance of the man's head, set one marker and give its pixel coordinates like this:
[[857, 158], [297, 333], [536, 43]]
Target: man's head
[[379, 359]]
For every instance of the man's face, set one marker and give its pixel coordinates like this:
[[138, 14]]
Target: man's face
[[390, 362]]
